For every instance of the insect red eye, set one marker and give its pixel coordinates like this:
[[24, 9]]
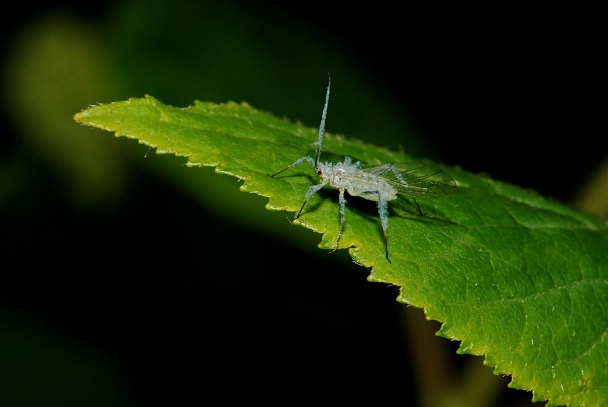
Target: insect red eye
[[319, 172]]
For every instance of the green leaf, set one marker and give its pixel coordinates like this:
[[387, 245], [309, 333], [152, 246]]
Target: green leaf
[[518, 278]]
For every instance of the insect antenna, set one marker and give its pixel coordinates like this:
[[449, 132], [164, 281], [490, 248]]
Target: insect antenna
[[322, 125]]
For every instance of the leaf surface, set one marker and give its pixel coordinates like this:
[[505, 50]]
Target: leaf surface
[[515, 277]]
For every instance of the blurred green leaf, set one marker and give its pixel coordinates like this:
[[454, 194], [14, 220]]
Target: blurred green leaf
[[56, 67], [515, 277]]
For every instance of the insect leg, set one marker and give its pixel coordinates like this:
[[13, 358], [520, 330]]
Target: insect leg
[[297, 162], [342, 202], [383, 212], [312, 190], [397, 173], [418, 206]]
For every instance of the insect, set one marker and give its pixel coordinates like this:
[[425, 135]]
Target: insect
[[381, 183]]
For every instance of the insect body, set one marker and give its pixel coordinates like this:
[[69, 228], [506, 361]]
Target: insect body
[[380, 183]]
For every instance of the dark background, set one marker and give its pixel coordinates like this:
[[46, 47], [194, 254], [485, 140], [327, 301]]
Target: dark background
[[511, 92], [154, 300]]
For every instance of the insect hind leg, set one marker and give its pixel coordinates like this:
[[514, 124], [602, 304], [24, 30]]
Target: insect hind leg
[[418, 207]]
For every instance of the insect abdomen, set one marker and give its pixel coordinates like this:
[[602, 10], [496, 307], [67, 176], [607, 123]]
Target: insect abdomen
[[370, 187]]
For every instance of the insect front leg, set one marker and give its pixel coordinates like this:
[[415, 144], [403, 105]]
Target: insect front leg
[[297, 162], [311, 191]]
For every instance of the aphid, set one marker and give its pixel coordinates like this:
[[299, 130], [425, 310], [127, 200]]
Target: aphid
[[380, 183]]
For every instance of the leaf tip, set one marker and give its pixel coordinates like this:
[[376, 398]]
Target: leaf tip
[[81, 117]]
